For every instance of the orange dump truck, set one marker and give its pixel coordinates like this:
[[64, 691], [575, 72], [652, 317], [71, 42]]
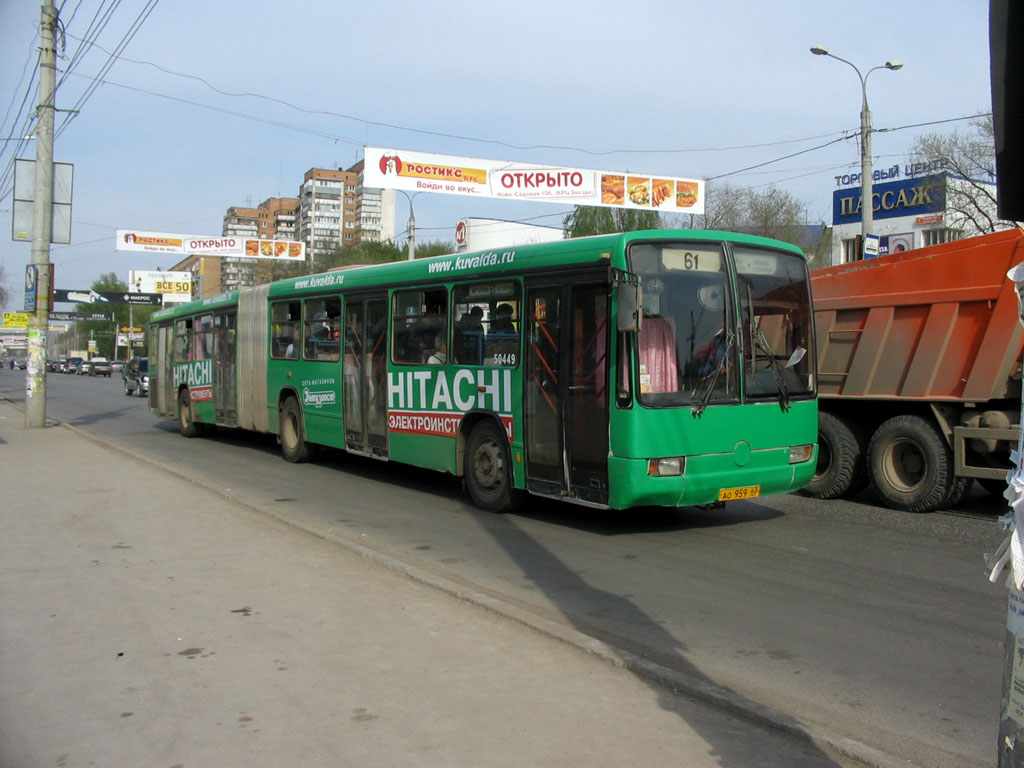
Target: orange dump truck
[[919, 372]]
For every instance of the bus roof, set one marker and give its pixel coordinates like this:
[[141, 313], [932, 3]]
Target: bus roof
[[609, 249]]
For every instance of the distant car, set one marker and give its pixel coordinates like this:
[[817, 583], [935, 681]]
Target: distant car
[[53, 365], [117, 366], [99, 366], [136, 376], [71, 364], [21, 363], [82, 369]]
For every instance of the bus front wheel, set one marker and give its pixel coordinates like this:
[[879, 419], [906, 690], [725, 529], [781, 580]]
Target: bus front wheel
[[186, 423], [294, 447], [488, 469]]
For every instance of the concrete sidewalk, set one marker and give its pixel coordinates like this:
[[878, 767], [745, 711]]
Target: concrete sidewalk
[[169, 626]]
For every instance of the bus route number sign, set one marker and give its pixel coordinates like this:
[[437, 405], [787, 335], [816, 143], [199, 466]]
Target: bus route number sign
[[692, 259], [738, 494]]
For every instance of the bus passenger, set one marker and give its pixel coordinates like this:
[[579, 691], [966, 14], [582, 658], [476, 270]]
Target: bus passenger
[[437, 357], [502, 322]]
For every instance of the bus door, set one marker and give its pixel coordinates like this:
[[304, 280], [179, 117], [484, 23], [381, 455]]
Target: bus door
[[364, 375], [566, 390], [224, 369]]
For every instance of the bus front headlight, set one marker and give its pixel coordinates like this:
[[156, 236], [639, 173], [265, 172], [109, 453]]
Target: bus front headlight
[[800, 453], [672, 467]]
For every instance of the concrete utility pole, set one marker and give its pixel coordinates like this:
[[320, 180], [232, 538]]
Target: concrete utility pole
[[42, 222]]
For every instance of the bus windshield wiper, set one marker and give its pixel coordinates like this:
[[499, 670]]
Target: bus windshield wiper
[[777, 373], [712, 378]]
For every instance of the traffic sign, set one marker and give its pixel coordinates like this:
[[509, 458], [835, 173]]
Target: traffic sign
[[107, 297]]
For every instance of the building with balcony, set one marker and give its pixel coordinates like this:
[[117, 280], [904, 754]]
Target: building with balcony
[[273, 219], [336, 210]]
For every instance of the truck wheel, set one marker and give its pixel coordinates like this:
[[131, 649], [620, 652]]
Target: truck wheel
[[294, 447], [186, 424], [488, 469], [841, 470], [911, 465]]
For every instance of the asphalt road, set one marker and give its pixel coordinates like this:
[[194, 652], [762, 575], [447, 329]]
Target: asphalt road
[[877, 625]]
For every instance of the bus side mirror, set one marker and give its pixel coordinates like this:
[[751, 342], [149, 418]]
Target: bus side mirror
[[631, 302]]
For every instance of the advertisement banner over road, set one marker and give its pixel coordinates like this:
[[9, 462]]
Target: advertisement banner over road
[[451, 175], [209, 245]]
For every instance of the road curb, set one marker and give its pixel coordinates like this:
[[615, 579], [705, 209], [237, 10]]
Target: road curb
[[677, 682]]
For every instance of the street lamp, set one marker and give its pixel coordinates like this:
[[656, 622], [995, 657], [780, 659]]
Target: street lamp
[[412, 224], [866, 191]]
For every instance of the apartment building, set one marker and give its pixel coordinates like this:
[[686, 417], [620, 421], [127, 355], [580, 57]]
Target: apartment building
[[273, 219], [335, 210], [375, 210]]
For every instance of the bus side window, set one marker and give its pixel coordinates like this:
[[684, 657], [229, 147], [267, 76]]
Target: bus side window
[[183, 340], [502, 336], [202, 338], [285, 330], [323, 329], [487, 328], [418, 317]]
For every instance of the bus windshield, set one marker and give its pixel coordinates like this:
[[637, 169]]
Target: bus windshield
[[702, 339]]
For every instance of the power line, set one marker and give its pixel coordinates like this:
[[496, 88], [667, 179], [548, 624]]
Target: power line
[[364, 121], [128, 36]]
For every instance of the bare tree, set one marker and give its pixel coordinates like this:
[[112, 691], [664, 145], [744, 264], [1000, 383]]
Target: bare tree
[[3, 291], [971, 158]]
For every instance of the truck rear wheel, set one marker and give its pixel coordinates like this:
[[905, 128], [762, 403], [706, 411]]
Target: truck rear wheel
[[911, 465], [841, 468]]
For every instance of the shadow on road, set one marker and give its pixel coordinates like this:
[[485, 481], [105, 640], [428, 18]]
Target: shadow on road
[[571, 594]]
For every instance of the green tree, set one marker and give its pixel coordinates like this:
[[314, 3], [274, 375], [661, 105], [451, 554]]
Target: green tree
[[587, 220]]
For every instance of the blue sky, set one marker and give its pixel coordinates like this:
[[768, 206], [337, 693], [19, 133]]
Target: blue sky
[[698, 89]]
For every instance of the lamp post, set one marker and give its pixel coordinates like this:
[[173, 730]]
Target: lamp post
[[412, 224], [866, 191]]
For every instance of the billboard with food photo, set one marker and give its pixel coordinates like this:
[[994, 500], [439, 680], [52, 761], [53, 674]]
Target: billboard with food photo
[[452, 175], [209, 245]]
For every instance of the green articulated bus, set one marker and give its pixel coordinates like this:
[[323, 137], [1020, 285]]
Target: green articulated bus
[[668, 367]]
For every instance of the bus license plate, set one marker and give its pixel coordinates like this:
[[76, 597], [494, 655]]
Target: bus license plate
[[735, 494]]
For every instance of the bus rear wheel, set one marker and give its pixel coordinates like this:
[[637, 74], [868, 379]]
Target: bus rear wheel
[[186, 421], [294, 447], [488, 469], [911, 465]]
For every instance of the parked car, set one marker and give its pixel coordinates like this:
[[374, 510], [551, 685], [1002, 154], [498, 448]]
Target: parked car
[[71, 364], [99, 366], [136, 376]]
